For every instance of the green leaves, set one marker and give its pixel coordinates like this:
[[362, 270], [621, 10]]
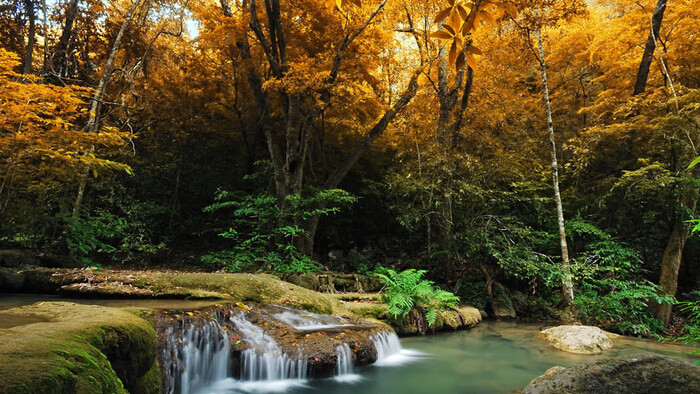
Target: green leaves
[[265, 235], [406, 289]]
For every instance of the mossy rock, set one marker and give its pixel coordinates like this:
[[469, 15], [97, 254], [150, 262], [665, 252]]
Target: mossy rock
[[78, 349], [183, 285], [369, 310]]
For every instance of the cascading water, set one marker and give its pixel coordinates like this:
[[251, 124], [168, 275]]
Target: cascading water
[[390, 352], [228, 350], [308, 321], [345, 366], [197, 358], [265, 360]]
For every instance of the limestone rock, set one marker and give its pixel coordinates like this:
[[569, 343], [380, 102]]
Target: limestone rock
[[639, 373], [578, 339]]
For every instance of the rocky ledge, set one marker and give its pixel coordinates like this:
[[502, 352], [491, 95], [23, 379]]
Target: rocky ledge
[[638, 373]]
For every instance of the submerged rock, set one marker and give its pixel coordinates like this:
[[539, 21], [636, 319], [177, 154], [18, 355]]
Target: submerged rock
[[639, 373], [578, 339]]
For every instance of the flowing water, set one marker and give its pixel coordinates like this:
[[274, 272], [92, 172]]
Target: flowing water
[[493, 357]]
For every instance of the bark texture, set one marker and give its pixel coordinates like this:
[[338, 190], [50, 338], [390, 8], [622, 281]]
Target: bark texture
[[643, 73], [567, 283]]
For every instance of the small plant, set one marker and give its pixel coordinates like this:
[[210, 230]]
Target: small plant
[[406, 289]]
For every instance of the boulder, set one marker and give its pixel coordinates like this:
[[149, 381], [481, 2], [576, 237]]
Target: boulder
[[61, 347], [638, 373], [578, 339]]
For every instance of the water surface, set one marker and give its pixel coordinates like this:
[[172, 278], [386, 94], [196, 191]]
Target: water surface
[[493, 357]]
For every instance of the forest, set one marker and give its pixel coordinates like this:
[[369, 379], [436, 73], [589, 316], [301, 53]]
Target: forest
[[535, 155]]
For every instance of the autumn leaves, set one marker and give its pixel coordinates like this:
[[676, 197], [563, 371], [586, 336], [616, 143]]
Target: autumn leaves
[[460, 20]]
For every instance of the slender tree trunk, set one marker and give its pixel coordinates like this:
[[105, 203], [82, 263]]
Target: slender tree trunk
[[95, 104], [92, 125], [567, 283], [29, 6], [643, 73], [673, 254]]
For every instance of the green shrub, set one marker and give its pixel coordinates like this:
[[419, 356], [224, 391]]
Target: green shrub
[[406, 289], [266, 238], [610, 291]]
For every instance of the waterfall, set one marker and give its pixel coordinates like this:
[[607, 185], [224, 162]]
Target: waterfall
[[265, 360], [390, 352], [345, 366], [197, 358]]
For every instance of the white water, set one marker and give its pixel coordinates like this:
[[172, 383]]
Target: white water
[[308, 321], [345, 366], [265, 361], [200, 357], [389, 350]]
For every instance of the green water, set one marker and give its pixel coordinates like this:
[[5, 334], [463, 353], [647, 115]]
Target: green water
[[494, 357]]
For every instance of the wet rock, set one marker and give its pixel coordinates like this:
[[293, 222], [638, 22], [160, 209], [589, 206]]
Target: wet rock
[[578, 339], [639, 373]]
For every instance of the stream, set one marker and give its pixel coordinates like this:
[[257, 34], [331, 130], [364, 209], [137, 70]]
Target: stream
[[493, 357]]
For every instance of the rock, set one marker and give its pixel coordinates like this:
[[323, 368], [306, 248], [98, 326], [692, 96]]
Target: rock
[[78, 349], [503, 307], [415, 323], [150, 284], [11, 258], [639, 373], [578, 339]]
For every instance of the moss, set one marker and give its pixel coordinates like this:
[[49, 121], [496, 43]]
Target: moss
[[368, 309], [150, 382], [148, 284], [79, 349]]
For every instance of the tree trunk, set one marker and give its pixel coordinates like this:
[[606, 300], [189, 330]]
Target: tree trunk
[[29, 6], [643, 73], [567, 283], [673, 254], [95, 104], [92, 125], [59, 60]]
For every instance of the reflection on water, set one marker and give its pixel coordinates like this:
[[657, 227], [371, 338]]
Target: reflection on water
[[493, 357]]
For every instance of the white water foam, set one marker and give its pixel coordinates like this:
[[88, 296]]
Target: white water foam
[[390, 353], [229, 386], [308, 321]]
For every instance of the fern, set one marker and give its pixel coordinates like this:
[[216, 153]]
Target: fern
[[407, 289]]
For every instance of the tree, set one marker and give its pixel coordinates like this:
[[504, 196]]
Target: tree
[[539, 15], [40, 145], [643, 73]]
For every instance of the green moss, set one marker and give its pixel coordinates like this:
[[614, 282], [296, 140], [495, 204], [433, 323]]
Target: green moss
[[79, 349], [369, 310], [142, 284]]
